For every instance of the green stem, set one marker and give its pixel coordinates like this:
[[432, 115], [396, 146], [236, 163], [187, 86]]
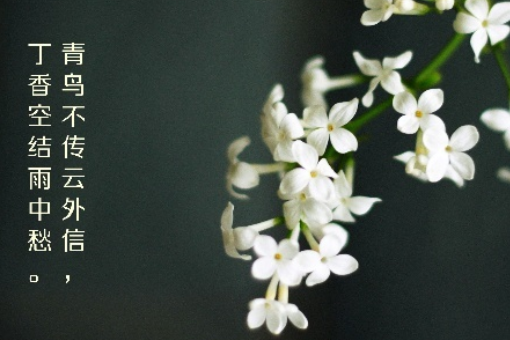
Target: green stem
[[441, 58], [432, 67], [500, 58]]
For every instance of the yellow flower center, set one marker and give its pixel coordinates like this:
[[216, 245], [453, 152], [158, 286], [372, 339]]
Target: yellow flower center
[[330, 127], [278, 256], [418, 114], [448, 148], [313, 174]]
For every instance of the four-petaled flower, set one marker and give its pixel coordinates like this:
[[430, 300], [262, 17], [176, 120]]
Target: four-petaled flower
[[276, 259], [485, 24], [274, 314], [444, 152], [383, 73], [382, 10], [325, 128], [326, 260], [418, 114]]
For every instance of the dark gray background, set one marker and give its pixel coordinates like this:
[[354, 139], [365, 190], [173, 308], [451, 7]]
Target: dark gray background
[[169, 84]]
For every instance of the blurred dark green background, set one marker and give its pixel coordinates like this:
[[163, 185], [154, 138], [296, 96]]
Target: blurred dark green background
[[168, 85]]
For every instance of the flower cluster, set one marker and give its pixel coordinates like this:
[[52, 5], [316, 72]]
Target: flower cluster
[[313, 154]]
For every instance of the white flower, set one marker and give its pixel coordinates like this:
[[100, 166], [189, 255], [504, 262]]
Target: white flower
[[484, 24], [302, 206], [418, 114], [276, 258], [444, 151], [383, 73], [312, 175], [345, 205], [269, 311], [274, 101], [274, 314], [331, 128], [382, 10], [498, 120], [227, 220], [317, 82], [504, 174], [444, 5], [326, 260], [279, 129]]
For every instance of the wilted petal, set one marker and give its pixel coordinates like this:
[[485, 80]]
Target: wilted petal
[[398, 62], [343, 140], [496, 119], [479, 8], [265, 246], [236, 147], [436, 167], [343, 264], [263, 268], [464, 138], [478, 41], [465, 23], [463, 164], [405, 103], [431, 100], [319, 275], [360, 205]]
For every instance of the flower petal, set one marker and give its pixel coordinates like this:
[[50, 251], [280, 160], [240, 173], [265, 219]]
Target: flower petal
[[497, 33], [256, 317], [506, 138], [307, 260], [321, 188], [343, 264], [294, 181], [305, 155], [343, 214], [463, 164], [295, 316], [405, 103], [372, 17], [288, 249], [337, 231], [437, 166], [292, 213], [479, 8], [454, 176], [283, 152], [319, 139], [499, 13], [404, 157], [465, 23], [289, 272], [265, 246], [263, 268], [496, 119], [464, 138], [397, 62], [343, 140], [408, 124], [369, 67], [435, 140], [431, 121], [478, 41], [275, 320], [245, 237], [236, 147], [243, 176], [431, 100], [342, 185], [319, 275], [316, 213], [330, 246], [315, 116], [392, 83], [291, 126], [342, 113], [324, 169], [360, 205]]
